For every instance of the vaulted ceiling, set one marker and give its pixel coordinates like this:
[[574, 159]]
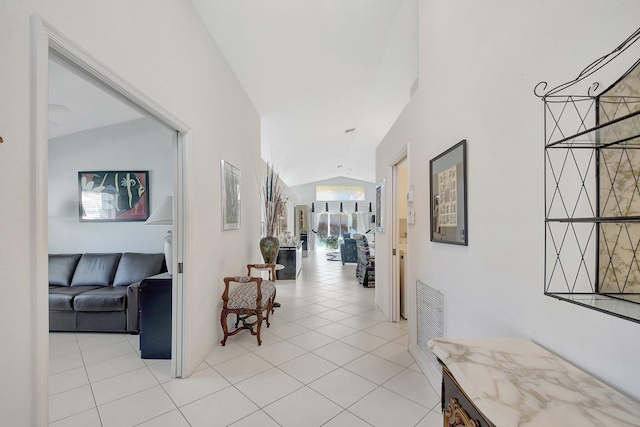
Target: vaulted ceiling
[[328, 77], [77, 104]]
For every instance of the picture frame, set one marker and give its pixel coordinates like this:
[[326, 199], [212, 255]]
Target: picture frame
[[113, 196], [230, 182], [448, 196], [379, 216]]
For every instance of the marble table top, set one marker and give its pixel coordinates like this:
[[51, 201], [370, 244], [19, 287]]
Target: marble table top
[[517, 383]]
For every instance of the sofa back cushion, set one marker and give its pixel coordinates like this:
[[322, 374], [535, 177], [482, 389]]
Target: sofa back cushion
[[95, 270], [134, 267], [61, 268]]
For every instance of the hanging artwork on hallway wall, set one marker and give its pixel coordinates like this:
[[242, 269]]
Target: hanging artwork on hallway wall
[[230, 196], [448, 190], [113, 196]]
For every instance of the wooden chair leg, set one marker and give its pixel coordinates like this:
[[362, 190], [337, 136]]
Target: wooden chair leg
[[273, 301], [223, 322], [258, 327], [268, 312]]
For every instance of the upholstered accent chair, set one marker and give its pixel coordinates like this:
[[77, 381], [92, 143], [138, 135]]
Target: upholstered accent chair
[[251, 300], [366, 268], [348, 250]]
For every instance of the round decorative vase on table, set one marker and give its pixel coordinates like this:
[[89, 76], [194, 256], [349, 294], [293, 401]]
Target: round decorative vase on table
[[269, 247]]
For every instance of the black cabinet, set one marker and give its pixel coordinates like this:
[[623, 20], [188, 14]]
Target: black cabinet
[[291, 258], [155, 317], [457, 409], [305, 244]]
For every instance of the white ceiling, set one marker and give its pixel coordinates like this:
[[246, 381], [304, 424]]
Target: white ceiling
[[77, 104], [313, 69]]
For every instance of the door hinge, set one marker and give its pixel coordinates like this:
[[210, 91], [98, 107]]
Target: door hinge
[[179, 268], [394, 251]]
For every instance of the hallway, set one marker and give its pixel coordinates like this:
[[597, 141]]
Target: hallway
[[328, 359]]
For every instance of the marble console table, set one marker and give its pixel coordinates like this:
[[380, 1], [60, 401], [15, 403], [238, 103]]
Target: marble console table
[[513, 382]]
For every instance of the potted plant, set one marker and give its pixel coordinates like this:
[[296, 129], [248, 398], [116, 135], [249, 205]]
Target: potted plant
[[331, 242], [273, 198]]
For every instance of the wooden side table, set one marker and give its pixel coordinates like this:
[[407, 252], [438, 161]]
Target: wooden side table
[[271, 268]]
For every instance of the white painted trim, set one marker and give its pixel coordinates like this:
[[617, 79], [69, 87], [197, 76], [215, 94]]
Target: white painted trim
[[429, 367], [117, 85], [48, 39], [178, 349], [411, 300], [39, 218], [394, 293]]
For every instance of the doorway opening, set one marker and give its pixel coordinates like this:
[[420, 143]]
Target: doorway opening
[[399, 239], [50, 43]]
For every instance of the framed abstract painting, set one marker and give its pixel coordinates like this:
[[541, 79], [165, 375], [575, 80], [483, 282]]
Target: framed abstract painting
[[113, 196]]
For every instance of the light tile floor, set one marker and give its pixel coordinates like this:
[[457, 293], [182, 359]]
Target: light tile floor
[[328, 359]]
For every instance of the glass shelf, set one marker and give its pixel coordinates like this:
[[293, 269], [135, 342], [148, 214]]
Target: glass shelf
[[619, 307], [592, 189], [596, 219], [623, 132]]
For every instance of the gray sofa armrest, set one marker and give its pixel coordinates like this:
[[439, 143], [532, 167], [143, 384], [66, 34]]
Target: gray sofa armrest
[[133, 308]]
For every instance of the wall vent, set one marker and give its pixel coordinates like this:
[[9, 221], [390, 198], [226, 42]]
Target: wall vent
[[431, 316]]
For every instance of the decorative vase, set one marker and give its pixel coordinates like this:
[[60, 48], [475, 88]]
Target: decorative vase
[[269, 246]]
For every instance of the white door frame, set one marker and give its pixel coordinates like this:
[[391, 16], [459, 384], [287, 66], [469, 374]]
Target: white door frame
[[47, 39], [395, 238]]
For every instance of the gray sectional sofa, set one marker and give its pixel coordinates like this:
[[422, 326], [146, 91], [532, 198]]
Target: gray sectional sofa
[[98, 292]]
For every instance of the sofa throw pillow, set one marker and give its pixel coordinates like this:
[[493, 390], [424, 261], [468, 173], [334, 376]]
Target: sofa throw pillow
[[95, 270], [61, 268], [134, 267]]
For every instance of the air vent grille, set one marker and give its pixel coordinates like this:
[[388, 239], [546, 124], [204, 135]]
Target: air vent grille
[[431, 315]]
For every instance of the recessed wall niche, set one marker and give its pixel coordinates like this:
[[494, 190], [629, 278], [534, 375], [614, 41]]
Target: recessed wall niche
[[592, 185]]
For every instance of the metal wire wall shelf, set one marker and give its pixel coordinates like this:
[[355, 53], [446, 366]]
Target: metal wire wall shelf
[[592, 187]]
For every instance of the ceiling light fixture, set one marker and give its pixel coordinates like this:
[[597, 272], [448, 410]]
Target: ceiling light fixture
[[349, 130]]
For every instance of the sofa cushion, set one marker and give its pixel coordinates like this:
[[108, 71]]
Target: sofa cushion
[[134, 267], [61, 268], [102, 299], [95, 270], [61, 297]]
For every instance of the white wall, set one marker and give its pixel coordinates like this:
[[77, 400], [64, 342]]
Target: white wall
[[141, 144], [402, 192], [161, 48], [479, 63]]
